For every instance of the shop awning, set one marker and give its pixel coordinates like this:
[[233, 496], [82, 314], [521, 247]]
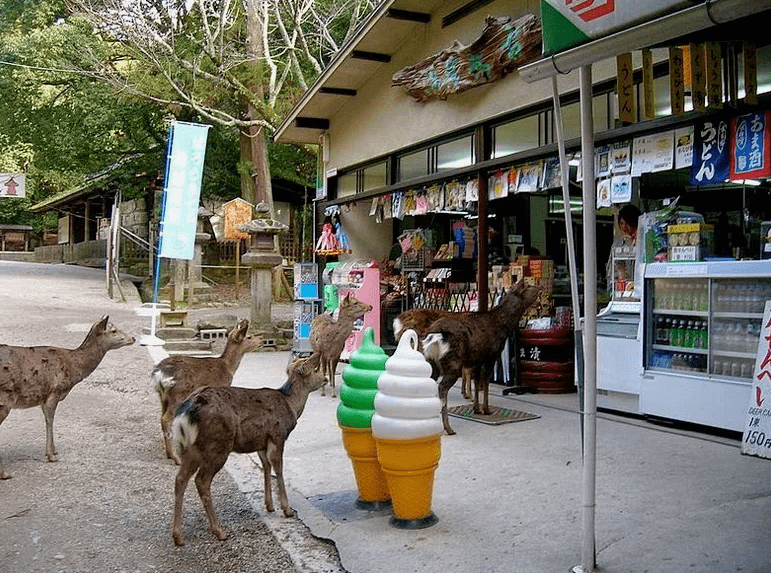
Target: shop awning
[[376, 40], [663, 29]]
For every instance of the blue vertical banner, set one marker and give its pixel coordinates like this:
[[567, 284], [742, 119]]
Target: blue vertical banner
[[750, 148], [710, 152], [182, 190]]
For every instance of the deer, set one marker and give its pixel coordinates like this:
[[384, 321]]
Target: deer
[[419, 320], [474, 341], [44, 375], [215, 421], [175, 377], [328, 336]]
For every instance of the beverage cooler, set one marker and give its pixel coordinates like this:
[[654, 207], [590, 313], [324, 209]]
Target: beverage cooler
[[702, 324]]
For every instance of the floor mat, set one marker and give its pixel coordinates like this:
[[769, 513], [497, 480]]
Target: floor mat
[[497, 415]]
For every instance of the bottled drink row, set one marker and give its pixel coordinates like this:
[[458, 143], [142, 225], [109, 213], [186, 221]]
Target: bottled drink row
[[679, 361], [681, 294], [737, 368], [729, 296], [681, 333], [737, 336]]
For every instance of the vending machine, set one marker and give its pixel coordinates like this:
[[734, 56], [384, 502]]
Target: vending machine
[[362, 279]]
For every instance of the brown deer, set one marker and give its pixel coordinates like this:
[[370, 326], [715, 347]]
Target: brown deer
[[44, 375], [175, 377], [213, 422], [328, 336], [419, 320], [474, 341]]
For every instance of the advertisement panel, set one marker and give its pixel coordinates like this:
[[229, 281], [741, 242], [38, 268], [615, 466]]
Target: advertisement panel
[[756, 440], [567, 23]]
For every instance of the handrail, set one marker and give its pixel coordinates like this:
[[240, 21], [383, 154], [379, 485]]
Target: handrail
[[137, 239]]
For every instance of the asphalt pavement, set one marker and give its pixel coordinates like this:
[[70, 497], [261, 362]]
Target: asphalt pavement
[[508, 497]]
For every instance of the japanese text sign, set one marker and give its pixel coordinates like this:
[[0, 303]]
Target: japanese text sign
[[750, 150], [710, 152], [757, 431]]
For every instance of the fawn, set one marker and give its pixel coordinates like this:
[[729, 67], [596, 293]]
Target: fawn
[[44, 375], [328, 336], [213, 422]]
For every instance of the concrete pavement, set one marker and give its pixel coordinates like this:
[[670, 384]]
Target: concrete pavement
[[508, 497]]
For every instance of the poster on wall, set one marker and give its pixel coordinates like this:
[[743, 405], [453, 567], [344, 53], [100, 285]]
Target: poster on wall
[[684, 147], [651, 153], [12, 185], [750, 150], [710, 152], [756, 440], [621, 189], [621, 157]]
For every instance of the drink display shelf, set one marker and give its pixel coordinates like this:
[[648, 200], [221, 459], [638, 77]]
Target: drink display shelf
[[746, 315], [733, 354], [672, 312], [668, 348]]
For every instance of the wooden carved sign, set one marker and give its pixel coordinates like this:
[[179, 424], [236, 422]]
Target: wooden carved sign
[[503, 47], [237, 212]]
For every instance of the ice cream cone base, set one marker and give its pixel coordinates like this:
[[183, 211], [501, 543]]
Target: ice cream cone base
[[409, 467], [370, 480]]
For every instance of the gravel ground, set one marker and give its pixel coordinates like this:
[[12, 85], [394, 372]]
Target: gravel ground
[[106, 505]]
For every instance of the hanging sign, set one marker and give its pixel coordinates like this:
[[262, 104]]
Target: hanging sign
[[676, 81], [750, 149], [12, 185], [757, 431], [710, 152], [625, 87], [698, 77], [184, 170], [567, 23]]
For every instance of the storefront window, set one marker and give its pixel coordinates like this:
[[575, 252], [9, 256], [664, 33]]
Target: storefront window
[[515, 136], [571, 117], [455, 154], [374, 176], [346, 184], [413, 165]]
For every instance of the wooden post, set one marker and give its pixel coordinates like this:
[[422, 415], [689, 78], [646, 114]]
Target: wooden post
[[238, 267]]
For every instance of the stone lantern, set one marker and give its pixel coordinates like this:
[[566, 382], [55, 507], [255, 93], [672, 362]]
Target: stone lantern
[[262, 256]]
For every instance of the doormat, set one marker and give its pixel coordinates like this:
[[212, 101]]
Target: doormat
[[496, 416]]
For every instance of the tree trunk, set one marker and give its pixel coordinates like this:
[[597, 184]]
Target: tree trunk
[[255, 184], [255, 181]]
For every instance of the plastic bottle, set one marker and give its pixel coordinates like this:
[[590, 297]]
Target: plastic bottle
[[688, 335], [662, 336], [671, 327]]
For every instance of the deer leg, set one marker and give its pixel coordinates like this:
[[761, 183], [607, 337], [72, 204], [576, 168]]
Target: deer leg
[[166, 419], [4, 411], [324, 372], [185, 472], [275, 453], [332, 373], [49, 410], [485, 390], [266, 474], [203, 485], [466, 384], [444, 388]]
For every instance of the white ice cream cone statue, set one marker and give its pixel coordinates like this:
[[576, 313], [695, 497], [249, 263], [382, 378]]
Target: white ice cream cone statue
[[354, 415], [407, 427]]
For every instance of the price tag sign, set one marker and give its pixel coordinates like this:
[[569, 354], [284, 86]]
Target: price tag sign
[[757, 431]]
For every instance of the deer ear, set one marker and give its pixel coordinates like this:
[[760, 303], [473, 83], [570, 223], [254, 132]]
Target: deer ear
[[102, 322]]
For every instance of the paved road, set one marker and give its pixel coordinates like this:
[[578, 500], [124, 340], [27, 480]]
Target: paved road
[[106, 505]]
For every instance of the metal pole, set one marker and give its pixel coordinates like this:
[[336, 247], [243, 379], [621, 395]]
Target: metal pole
[[588, 560], [572, 265]]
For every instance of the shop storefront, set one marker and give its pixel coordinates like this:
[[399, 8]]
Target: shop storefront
[[452, 196]]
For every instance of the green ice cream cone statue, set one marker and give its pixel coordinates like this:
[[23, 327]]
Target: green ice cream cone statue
[[354, 415]]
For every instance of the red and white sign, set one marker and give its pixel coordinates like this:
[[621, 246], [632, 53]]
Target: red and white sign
[[12, 185], [757, 431]]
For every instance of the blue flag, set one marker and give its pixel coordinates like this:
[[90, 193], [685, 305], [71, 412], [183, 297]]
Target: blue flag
[[710, 152], [182, 190]]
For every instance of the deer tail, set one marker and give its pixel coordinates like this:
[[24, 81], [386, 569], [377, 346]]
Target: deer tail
[[184, 428]]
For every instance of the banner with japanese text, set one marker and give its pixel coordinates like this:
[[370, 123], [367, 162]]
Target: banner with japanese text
[[12, 185], [710, 152], [182, 190], [750, 149], [756, 440]]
